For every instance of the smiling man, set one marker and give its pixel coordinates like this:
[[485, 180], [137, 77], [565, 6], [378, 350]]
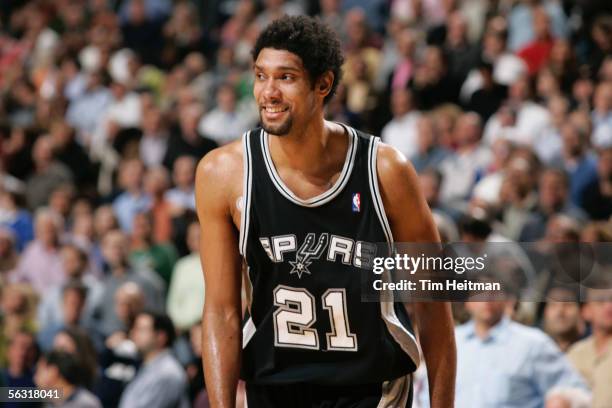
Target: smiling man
[[300, 203]]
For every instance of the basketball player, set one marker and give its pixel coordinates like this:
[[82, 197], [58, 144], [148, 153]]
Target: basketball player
[[300, 202]]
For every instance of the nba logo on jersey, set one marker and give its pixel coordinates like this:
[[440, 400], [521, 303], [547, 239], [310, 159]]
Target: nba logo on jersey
[[356, 202]]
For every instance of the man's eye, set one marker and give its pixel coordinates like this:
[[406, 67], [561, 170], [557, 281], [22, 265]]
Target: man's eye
[[260, 76], [287, 77]]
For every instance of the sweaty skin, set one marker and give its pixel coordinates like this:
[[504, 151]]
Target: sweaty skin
[[292, 105]]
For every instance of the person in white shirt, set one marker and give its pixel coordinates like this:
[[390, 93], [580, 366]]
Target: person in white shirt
[[401, 131], [182, 197], [461, 170], [229, 119]]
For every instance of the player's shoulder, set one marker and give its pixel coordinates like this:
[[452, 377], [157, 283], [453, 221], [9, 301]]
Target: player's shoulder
[[222, 162], [392, 165]]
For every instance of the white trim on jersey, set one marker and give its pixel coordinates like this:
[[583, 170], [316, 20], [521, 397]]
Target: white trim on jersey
[[248, 331], [395, 393], [397, 330], [247, 186], [321, 198]]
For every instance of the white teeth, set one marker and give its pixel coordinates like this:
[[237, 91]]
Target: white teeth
[[274, 110]]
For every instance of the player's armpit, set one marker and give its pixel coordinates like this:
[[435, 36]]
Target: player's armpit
[[221, 262]]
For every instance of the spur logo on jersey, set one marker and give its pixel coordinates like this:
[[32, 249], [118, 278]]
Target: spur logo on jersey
[[337, 248], [356, 202]]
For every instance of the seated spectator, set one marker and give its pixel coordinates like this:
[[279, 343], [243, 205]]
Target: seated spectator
[[517, 195], [72, 154], [431, 84], [17, 311], [8, 254], [461, 169], [430, 181], [142, 32], [579, 164], [154, 141], [181, 197], [85, 107], [48, 173], [133, 199], [43, 254], [488, 99], [161, 381], [401, 132], [529, 119], [593, 355], [104, 221], [552, 199], [60, 370], [156, 183], [597, 199], [186, 293], [115, 247], [462, 55], [536, 53], [147, 254], [185, 138], [18, 371], [16, 218], [119, 358], [429, 152], [602, 106], [549, 145], [504, 363], [74, 298], [77, 342], [229, 119], [561, 319]]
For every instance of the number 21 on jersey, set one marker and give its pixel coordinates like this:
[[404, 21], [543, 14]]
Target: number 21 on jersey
[[296, 314]]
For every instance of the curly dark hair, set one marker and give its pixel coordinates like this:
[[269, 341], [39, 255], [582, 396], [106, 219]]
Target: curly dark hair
[[310, 39]]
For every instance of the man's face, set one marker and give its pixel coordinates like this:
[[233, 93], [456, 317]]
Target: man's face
[[561, 317], [114, 247], [552, 190], [46, 376], [72, 262], [488, 313], [20, 350], [598, 310], [143, 334], [72, 306], [283, 91]]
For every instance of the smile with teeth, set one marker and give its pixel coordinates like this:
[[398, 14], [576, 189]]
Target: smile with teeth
[[271, 109]]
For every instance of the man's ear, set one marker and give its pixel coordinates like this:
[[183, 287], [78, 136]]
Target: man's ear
[[324, 84], [586, 312]]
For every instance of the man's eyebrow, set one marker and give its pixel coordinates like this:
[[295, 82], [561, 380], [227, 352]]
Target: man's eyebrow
[[279, 68]]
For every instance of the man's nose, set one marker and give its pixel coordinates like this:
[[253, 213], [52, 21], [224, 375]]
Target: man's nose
[[271, 90]]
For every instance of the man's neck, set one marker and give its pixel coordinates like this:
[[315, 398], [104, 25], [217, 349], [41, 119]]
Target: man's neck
[[566, 340], [67, 391], [603, 339], [152, 354], [119, 270], [297, 149], [483, 328]]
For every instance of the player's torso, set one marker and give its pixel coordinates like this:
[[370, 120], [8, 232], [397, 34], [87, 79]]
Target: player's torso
[[305, 262]]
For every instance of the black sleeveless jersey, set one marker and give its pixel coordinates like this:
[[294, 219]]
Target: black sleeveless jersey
[[306, 320]]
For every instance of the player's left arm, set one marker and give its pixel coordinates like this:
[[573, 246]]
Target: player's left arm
[[411, 221]]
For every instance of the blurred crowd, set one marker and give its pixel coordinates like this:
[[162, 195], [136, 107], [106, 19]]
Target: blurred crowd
[[503, 106]]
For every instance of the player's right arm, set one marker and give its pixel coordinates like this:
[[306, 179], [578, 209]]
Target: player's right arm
[[216, 178]]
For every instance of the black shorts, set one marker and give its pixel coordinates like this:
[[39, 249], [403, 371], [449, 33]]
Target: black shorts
[[390, 394]]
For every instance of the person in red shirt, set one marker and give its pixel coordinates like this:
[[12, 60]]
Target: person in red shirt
[[536, 53]]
